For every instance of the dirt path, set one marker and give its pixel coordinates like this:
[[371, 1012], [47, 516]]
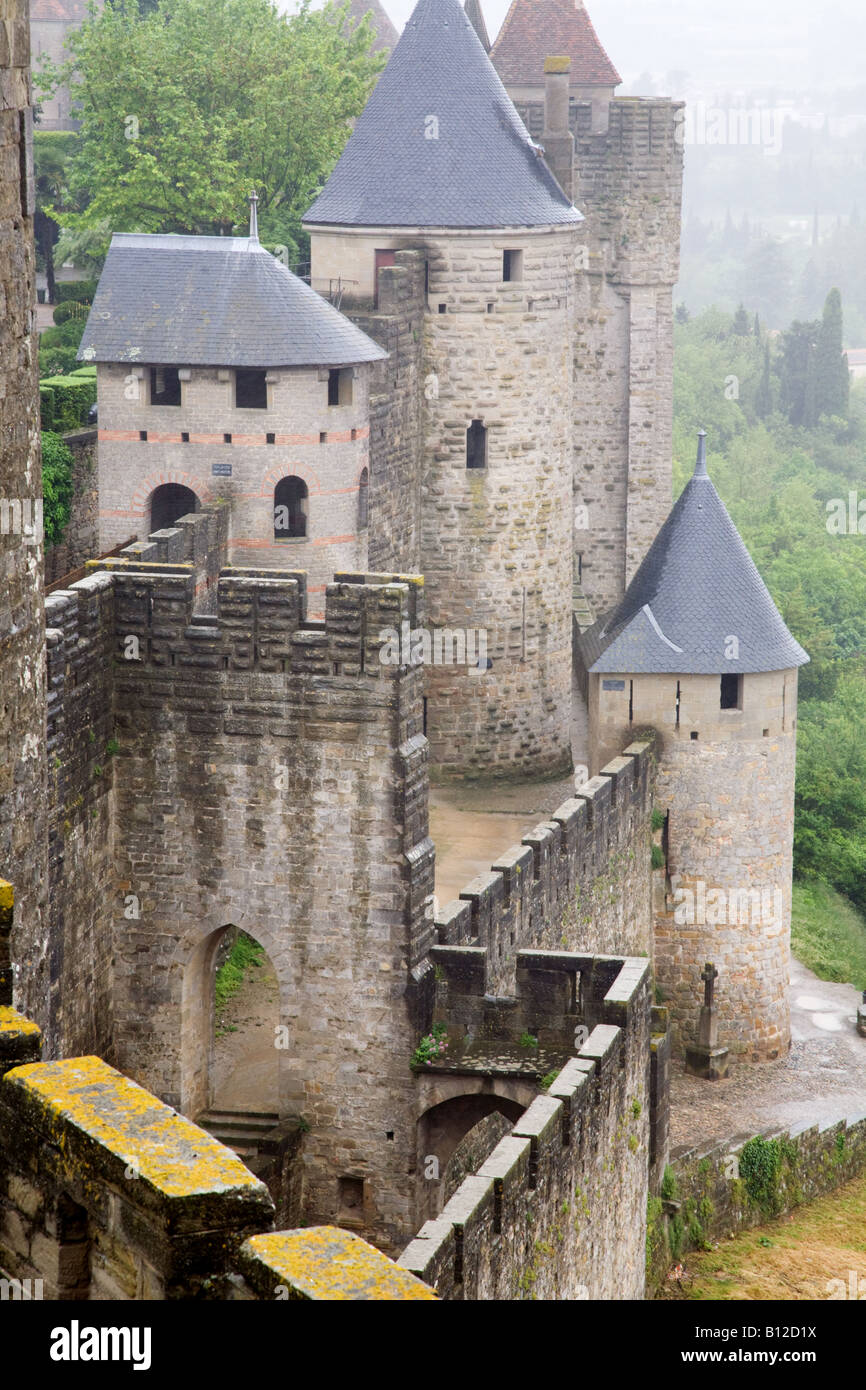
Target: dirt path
[[246, 1060]]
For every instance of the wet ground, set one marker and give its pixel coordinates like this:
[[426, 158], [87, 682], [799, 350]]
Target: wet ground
[[822, 1079]]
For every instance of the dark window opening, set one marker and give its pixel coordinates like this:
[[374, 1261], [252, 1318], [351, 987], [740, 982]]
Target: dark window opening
[[270, 439], [424, 715], [169, 502], [490, 308], [512, 265], [323, 437], [340, 386], [678, 705], [476, 445], [164, 386], [443, 308], [290, 508], [731, 692], [251, 389], [631, 702], [694, 735], [142, 434], [184, 436], [73, 1241], [227, 439], [363, 499]]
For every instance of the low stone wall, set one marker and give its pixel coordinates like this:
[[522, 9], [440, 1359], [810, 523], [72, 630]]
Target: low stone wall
[[710, 1192]]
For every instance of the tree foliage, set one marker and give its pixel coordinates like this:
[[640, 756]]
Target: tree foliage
[[188, 106]]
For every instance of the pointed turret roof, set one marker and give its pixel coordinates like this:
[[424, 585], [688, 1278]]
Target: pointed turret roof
[[439, 143], [386, 34], [535, 29], [696, 590], [476, 16]]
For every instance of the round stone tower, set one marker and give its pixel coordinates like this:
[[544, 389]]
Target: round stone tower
[[440, 161], [698, 652]]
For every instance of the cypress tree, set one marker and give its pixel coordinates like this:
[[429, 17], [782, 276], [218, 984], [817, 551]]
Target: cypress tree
[[829, 386], [764, 396]]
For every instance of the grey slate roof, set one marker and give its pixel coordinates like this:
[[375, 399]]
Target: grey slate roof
[[697, 588], [482, 170], [213, 301]]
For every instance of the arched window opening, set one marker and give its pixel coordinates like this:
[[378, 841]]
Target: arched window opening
[[290, 508], [363, 500], [170, 502]]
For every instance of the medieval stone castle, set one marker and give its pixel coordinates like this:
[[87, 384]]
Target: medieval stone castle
[[460, 420]]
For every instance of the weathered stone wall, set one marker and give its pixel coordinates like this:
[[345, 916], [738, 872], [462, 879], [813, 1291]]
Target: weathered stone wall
[[271, 775], [558, 1210], [23, 790], [628, 185], [80, 541], [327, 446], [726, 786], [578, 882], [108, 1194], [80, 758], [496, 541], [715, 1193], [397, 324]]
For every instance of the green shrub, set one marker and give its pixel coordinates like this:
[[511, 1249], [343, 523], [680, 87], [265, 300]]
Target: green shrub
[[56, 485], [68, 334], [46, 406], [56, 361], [81, 291], [658, 818], [72, 398], [245, 954], [70, 309], [657, 858], [760, 1162], [669, 1184]]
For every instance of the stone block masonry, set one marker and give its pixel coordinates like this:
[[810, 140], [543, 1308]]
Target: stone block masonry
[[271, 775], [558, 1210], [23, 790], [578, 882]]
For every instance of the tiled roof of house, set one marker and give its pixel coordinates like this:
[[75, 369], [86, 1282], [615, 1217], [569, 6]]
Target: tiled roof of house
[[213, 301], [537, 29], [67, 11], [696, 590], [439, 143]]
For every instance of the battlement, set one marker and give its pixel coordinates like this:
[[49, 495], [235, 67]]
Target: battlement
[[547, 891], [537, 1219]]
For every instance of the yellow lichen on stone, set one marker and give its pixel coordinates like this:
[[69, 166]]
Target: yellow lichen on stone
[[7, 894], [157, 1144], [13, 1024], [328, 1264]]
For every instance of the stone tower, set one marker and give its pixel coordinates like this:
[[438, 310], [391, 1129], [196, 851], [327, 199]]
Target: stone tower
[[698, 651], [628, 184], [440, 162], [23, 790]]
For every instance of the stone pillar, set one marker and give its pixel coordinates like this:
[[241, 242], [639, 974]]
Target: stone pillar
[[557, 139], [23, 838]]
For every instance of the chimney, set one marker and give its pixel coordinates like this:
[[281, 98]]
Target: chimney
[[557, 139]]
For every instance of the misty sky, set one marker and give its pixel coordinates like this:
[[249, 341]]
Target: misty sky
[[794, 42]]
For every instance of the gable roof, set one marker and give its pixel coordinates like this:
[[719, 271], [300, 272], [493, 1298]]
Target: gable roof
[[537, 29], [696, 589], [439, 143], [386, 34], [213, 301]]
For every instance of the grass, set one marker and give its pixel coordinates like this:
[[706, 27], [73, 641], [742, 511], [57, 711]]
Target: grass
[[828, 934], [794, 1257], [246, 954]]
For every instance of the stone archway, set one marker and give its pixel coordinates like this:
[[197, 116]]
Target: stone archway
[[443, 1128]]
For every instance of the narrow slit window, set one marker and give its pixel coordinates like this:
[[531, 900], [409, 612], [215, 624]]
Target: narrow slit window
[[476, 445], [678, 706], [363, 500]]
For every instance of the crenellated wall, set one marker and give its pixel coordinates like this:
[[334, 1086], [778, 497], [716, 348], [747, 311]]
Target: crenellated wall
[[558, 1209], [578, 882]]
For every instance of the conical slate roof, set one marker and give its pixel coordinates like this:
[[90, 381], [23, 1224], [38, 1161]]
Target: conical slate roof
[[439, 143], [696, 590], [213, 301], [386, 34]]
